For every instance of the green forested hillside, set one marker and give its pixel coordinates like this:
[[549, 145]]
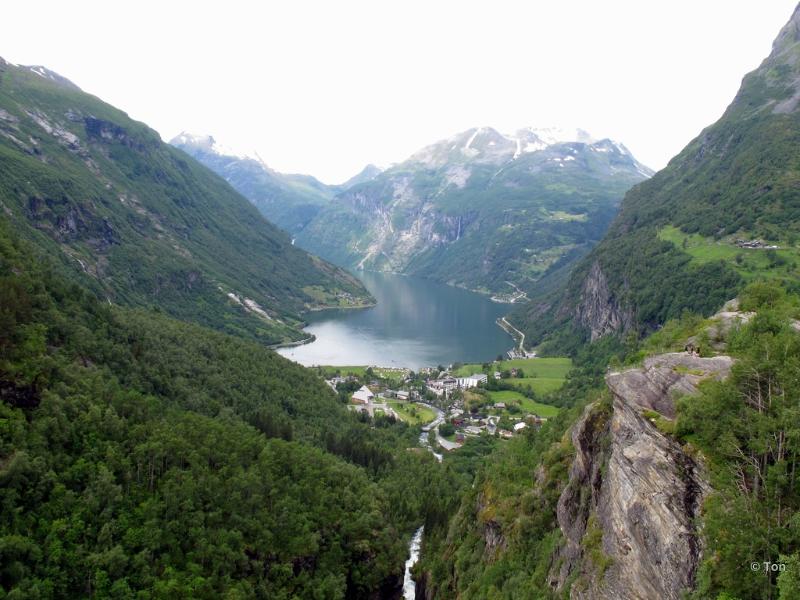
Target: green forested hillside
[[506, 540], [144, 457], [289, 201], [736, 182], [504, 536], [745, 427], [142, 223]]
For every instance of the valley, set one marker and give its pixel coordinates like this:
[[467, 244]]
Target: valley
[[482, 210], [517, 364]]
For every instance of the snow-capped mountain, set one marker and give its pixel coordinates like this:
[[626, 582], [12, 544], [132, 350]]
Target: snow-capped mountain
[[207, 143], [488, 145], [481, 208]]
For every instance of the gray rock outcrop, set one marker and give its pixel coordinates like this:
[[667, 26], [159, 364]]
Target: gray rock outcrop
[[629, 513], [598, 310]]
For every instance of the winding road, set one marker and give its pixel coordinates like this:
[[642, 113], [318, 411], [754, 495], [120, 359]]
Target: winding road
[[506, 325]]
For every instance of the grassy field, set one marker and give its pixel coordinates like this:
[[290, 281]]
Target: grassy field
[[544, 375], [540, 385], [750, 263], [527, 405], [360, 371], [554, 368], [412, 413]]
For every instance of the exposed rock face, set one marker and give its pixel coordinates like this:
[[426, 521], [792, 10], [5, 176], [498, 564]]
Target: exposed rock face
[[423, 590], [480, 210], [640, 487], [392, 243], [664, 377], [577, 501], [598, 310]]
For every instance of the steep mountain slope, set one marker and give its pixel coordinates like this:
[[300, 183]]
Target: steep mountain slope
[[144, 457], [481, 210], [290, 201], [673, 482], [726, 209], [144, 224]]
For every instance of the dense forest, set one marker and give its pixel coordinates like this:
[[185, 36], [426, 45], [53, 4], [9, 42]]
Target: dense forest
[[144, 457], [504, 540]]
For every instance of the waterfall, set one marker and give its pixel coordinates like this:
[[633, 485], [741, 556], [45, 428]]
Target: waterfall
[[409, 587]]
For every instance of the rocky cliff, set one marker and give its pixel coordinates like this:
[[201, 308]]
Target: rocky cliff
[[599, 310], [629, 514]]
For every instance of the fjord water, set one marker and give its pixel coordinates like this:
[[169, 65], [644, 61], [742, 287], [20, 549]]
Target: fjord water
[[415, 323]]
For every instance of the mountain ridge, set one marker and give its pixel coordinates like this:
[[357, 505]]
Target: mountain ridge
[[290, 200], [141, 223], [479, 209], [680, 239]]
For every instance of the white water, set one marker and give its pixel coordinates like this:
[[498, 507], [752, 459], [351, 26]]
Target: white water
[[409, 587], [423, 441]]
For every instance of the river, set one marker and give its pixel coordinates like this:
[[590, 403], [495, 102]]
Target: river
[[415, 323], [409, 587]]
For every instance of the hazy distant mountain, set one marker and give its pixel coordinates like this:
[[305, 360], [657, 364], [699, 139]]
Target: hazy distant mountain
[[481, 208], [368, 173], [289, 201]]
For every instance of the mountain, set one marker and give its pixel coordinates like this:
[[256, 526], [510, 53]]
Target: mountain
[[368, 173], [481, 210], [724, 211], [661, 482], [145, 457], [289, 201], [143, 224]]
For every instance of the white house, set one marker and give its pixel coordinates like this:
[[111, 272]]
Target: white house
[[472, 381], [519, 426], [363, 396], [441, 386], [402, 394]]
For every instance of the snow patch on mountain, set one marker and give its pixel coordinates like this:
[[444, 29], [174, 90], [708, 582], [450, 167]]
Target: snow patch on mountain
[[207, 143], [472, 139]]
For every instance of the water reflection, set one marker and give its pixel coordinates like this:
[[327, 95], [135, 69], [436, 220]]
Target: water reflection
[[415, 323]]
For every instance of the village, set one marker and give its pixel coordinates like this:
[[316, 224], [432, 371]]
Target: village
[[453, 404]]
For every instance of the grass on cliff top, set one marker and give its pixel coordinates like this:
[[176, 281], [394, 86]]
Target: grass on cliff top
[[748, 262]]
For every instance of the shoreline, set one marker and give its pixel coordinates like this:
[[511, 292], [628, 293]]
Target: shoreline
[[511, 330], [322, 308], [312, 338], [302, 342], [488, 293]]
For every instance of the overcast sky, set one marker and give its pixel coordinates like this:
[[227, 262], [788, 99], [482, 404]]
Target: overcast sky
[[326, 87]]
